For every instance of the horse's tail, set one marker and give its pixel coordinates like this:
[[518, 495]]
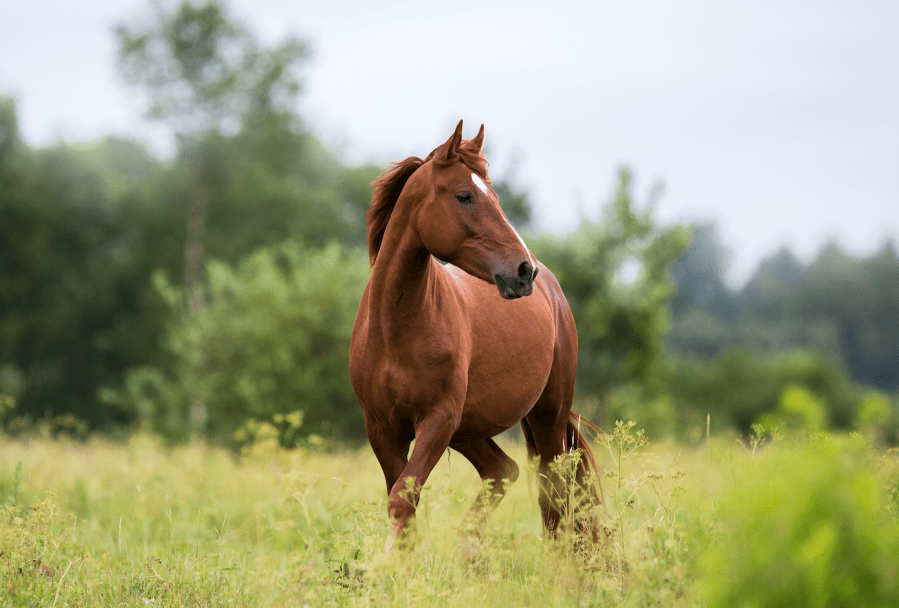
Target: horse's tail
[[587, 473], [529, 442], [586, 483]]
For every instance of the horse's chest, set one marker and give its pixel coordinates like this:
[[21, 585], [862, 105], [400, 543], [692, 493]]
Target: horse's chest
[[405, 379]]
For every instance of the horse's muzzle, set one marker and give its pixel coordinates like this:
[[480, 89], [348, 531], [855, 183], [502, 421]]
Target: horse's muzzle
[[520, 285]]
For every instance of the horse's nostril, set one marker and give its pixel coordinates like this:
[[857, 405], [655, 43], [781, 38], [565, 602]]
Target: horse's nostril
[[525, 270]]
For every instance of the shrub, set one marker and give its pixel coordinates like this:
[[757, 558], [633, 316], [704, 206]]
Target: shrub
[[742, 386], [799, 410], [273, 339], [804, 527]]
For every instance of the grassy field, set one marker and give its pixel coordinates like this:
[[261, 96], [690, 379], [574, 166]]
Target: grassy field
[[724, 523]]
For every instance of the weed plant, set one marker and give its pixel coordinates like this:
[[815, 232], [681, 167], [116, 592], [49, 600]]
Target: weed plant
[[808, 524], [98, 523]]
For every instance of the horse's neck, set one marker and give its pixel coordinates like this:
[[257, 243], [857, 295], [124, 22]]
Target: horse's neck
[[400, 283]]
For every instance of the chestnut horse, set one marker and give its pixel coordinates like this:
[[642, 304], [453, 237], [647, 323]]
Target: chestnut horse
[[453, 355]]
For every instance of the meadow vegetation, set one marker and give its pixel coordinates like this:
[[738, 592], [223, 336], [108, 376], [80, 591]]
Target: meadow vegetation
[[788, 522]]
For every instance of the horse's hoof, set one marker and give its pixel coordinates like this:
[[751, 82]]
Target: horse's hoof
[[469, 549]]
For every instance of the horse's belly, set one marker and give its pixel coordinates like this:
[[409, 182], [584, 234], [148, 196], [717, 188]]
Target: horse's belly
[[489, 414], [512, 361]]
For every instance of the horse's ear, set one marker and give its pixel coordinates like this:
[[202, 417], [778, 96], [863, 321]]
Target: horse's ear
[[450, 149], [478, 140]]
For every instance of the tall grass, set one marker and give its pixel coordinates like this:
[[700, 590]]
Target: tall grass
[[99, 523]]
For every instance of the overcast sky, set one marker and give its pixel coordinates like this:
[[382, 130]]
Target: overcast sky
[[779, 121]]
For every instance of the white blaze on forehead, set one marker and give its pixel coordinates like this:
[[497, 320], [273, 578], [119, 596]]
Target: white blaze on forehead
[[479, 182], [483, 187]]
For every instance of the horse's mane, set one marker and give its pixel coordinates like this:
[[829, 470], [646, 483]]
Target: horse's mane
[[389, 185], [387, 190]]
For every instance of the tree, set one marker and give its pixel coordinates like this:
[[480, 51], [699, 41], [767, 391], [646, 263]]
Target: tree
[[9, 128], [615, 274], [204, 73], [273, 340], [77, 245], [699, 274], [516, 202], [861, 297]]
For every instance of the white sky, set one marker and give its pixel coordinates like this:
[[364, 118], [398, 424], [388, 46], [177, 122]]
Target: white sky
[[777, 120]]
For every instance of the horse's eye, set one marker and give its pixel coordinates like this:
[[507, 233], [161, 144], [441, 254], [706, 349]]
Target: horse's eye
[[465, 197]]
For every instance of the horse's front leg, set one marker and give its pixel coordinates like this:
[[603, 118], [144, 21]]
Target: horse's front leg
[[390, 448], [432, 436]]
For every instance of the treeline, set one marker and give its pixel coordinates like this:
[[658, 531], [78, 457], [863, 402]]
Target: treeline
[[213, 293], [845, 306], [808, 347], [85, 229]]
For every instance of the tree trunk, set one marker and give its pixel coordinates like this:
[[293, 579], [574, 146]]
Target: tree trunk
[[194, 265]]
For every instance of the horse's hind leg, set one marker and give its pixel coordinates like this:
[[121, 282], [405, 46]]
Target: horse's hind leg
[[495, 468], [546, 439], [574, 491], [547, 431]]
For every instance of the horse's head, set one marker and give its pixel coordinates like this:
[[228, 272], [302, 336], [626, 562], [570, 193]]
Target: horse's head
[[459, 220]]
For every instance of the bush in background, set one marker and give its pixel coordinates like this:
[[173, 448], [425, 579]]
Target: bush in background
[[273, 339], [805, 526]]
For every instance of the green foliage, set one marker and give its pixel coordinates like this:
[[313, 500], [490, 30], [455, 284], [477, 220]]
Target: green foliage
[[614, 273], [874, 410], [207, 76], [78, 243], [804, 527], [263, 435], [9, 128], [699, 275], [84, 228], [642, 510], [269, 184], [272, 340], [643, 400], [839, 304], [203, 71], [38, 555], [699, 332], [798, 524], [878, 417], [740, 386], [861, 296], [515, 202], [799, 411]]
